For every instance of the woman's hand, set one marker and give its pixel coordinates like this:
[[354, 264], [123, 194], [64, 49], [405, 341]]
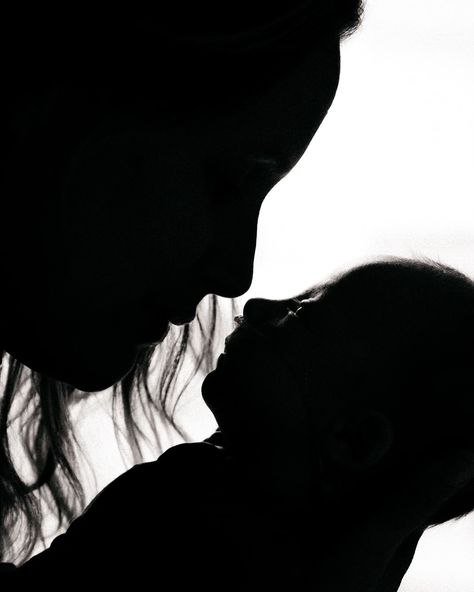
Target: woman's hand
[[147, 523]]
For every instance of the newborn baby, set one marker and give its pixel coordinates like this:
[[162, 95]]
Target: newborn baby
[[345, 421], [334, 400]]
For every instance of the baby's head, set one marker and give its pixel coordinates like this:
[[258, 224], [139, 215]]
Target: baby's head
[[354, 384]]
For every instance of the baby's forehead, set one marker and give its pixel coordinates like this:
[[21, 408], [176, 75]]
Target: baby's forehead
[[295, 342], [320, 318]]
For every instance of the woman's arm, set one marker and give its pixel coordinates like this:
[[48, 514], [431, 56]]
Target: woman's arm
[[158, 520]]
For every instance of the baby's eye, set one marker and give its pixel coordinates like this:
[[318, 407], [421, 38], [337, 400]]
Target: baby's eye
[[293, 305]]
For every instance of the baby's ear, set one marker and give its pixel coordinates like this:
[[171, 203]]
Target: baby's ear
[[358, 440]]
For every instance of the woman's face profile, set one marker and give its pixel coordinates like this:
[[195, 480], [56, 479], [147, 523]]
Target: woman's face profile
[[153, 213], [258, 395]]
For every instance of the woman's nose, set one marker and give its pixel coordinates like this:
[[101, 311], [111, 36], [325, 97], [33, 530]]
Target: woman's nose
[[230, 263], [261, 310]]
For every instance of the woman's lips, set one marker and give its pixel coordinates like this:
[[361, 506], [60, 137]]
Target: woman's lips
[[182, 317], [153, 315], [151, 333], [153, 324], [181, 313]]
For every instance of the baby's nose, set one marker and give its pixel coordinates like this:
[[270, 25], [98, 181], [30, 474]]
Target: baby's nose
[[261, 310]]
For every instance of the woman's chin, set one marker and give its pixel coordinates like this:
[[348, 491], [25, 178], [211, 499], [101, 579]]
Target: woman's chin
[[91, 370], [90, 381]]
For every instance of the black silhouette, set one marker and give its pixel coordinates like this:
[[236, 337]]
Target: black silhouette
[[345, 419], [140, 144]]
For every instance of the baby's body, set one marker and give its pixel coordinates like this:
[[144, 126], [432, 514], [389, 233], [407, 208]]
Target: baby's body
[[356, 403], [328, 465]]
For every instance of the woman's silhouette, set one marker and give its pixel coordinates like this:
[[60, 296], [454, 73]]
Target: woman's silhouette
[[139, 149]]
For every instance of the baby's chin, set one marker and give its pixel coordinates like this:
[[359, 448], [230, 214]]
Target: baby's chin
[[210, 391]]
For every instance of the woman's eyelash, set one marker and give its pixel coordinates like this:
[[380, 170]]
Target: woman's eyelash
[[260, 171]]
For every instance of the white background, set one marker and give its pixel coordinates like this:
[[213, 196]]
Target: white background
[[390, 172]]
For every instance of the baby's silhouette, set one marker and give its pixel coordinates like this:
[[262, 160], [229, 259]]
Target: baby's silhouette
[[345, 431], [335, 400]]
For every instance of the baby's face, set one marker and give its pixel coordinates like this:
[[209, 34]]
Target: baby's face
[[252, 371], [256, 391]]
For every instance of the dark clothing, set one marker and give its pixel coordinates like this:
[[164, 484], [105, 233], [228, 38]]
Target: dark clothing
[[183, 522]]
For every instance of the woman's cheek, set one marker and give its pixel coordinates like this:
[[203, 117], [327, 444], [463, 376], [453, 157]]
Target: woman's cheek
[[195, 237]]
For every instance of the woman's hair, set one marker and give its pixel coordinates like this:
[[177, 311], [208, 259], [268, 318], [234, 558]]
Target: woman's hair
[[185, 55], [61, 62], [36, 425]]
